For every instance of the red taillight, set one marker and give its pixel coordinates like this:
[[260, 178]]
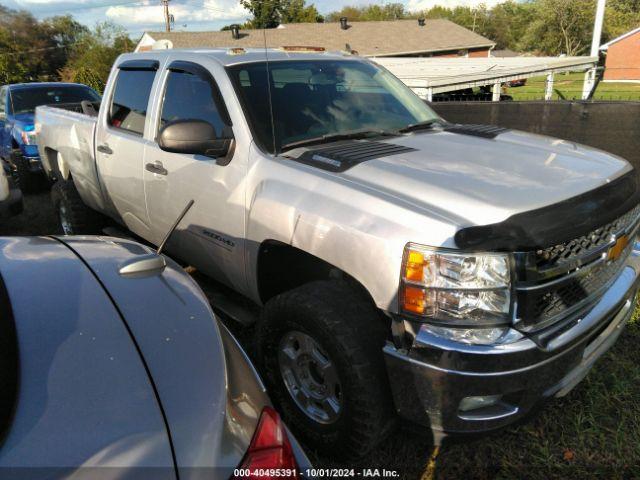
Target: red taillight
[[270, 454]]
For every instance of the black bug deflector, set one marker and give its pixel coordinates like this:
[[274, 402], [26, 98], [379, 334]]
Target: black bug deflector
[[556, 223]]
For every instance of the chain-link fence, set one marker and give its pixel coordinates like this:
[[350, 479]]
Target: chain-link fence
[[610, 126]]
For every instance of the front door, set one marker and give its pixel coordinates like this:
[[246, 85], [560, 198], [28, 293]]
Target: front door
[[121, 145], [211, 235]]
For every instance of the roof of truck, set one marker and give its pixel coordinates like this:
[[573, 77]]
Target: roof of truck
[[233, 56]]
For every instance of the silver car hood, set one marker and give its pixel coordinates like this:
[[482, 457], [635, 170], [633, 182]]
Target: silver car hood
[[477, 181], [193, 361]]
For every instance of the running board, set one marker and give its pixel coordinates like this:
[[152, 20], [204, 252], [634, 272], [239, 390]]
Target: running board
[[225, 301]]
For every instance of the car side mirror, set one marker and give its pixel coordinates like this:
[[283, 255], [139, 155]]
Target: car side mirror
[[192, 136]]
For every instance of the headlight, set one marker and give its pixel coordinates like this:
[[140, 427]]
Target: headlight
[[456, 288], [28, 135]]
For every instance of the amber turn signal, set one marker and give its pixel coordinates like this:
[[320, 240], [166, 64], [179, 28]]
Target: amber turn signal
[[414, 299], [415, 265]]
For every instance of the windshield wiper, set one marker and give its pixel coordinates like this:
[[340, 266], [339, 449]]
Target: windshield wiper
[[334, 137], [426, 125]]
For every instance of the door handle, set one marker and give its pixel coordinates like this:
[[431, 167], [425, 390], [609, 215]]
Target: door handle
[[104, 149], [156, 167]]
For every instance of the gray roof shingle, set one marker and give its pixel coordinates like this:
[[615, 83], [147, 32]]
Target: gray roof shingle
[[382, 38]]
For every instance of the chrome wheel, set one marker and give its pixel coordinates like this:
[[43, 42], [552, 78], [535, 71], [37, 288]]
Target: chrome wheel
[[65, 223], [310, 377]]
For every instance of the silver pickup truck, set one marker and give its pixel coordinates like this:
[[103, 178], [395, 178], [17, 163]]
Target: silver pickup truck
[[451, 275]]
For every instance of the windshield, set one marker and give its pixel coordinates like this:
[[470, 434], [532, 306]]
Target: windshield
[[25, 100], [313, 98]]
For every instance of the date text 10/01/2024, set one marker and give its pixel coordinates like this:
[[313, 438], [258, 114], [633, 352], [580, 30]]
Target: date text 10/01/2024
[[317, 472]]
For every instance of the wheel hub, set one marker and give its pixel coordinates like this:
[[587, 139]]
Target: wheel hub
[[310, 377]]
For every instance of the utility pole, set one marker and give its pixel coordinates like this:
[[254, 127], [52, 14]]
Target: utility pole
[[590, 76], [167, 17]]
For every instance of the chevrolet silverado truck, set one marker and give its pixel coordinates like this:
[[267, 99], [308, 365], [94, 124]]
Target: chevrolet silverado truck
[[17, 133], [451, 275]]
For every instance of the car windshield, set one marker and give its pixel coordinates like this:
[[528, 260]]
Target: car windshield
[[25, 100], [316, 98]]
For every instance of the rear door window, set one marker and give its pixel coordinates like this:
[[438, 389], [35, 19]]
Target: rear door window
[[128, 110]]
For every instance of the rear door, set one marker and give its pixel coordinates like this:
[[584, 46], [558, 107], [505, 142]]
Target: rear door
[[211, 235], [121, 142]]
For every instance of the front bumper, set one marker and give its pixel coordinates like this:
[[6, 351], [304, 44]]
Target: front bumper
[[430, 381]]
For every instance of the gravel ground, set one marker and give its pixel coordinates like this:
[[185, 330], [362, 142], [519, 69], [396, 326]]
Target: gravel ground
[[38, 217]]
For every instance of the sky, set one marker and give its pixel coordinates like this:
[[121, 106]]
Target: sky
[[190, 15]]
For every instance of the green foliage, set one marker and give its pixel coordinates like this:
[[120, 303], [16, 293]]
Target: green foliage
[[91, 63], [57, 48], [271, 13], [547, 27], [560, 26], [390, 11]]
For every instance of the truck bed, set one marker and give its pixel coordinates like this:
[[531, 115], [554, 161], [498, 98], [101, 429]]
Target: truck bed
[[65, 139]]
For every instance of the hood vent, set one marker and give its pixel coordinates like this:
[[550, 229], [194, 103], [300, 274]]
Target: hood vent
[[339, 157], [484, 131]]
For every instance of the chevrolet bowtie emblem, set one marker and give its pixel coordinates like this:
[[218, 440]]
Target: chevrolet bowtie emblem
[[615, 251]]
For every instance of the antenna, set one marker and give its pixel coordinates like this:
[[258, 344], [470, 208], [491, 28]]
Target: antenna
[[175, 225], [151, 263], [273, 122]]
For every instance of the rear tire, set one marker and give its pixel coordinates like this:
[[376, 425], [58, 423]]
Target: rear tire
[[74, 217], [344, 331]]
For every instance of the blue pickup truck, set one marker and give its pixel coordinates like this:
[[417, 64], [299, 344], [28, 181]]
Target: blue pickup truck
[[17, 130]]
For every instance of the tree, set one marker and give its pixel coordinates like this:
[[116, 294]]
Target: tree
[[92, 61], [295, 11], [271, 13], [390, 11], [560, 26]]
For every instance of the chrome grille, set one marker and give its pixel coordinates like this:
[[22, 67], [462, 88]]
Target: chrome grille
[[569, 277], [545, 304], [556, 255]]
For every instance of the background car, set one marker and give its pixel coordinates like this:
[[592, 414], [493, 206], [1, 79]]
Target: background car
[[17, 130], [112, 357]]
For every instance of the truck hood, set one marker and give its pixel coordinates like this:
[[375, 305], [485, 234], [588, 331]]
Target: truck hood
[[478, 181]]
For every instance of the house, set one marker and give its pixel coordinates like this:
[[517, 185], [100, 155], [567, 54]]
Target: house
[[622, 63], [396, 38]]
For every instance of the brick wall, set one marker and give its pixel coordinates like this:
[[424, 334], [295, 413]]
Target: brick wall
[[479, 53], [623, 59]]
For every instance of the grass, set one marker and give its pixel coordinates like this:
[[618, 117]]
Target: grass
[[569, 87], [592, 432]]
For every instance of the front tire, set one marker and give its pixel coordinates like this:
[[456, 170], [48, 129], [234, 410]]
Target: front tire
[[25, 179], [74, 217], [321, 350]]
